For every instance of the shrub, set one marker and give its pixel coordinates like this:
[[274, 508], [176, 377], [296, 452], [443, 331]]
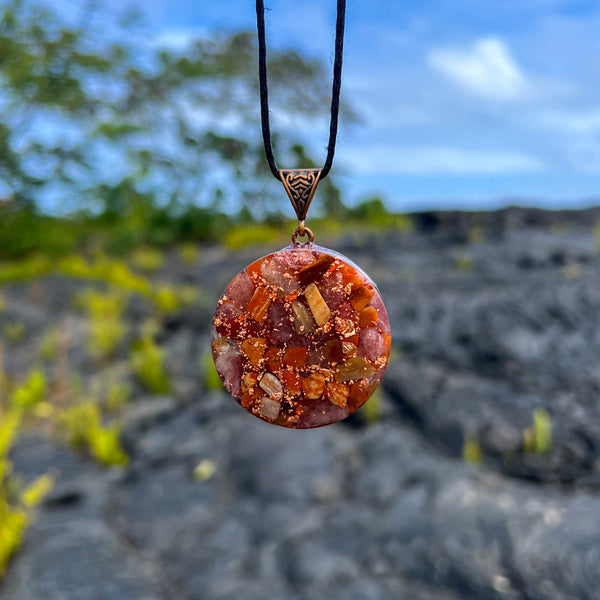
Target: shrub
[[148, 361], [211, 378], [16, 504], [538, 438], [106, 328], [31, 392], [147, 259], [13, 331], [82, 425], [189, 254], [250, 234]]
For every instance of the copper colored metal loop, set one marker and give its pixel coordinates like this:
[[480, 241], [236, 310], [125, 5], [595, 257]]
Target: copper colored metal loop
[[300, 185], [301, 231]]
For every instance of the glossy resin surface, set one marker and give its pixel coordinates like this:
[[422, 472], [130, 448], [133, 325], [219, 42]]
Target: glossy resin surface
[[301, 337]]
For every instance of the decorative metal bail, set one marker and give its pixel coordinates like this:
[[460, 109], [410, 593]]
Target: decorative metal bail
[[300, 185]]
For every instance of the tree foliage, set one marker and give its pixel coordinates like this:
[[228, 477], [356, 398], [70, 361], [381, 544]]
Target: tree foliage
[[97, 116]]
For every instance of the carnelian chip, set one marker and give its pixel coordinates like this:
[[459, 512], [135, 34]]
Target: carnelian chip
[[259, 304], [368, 317], [254, 270], [292, 382], [353, 339], [254, 349], [295, 356], [361, 296], [273, 358]]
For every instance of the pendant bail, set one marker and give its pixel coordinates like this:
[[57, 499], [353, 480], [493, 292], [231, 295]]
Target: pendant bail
[[300, 185]]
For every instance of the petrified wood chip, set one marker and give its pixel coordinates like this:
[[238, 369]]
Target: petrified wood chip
[[269, 408], [349, 348], [303, 321], [317, 305], [314, 271], [354, 368], [241, 289]]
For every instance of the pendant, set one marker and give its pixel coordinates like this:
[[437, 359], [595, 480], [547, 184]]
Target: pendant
[[301, 337]]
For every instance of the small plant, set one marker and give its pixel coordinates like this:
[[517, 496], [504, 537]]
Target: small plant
[[572, 270], [476, 234], [538, 438], [118, 394], [82, 425], [31, 392], [463, 262], [106, 328], [211, 378], [371, 410], [166, 298], [13, 331], [471, 450], [188, 294], [189, 254], [49, 345], [148, 361], [147, 259], [205, 469], [30, 268], [16, 504], [250, 234]]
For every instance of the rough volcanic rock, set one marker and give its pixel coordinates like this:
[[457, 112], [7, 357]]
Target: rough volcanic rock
[[485, 332]]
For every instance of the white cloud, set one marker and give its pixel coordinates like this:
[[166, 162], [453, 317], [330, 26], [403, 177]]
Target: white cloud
[[178, 39], [437, 160], [571, 121], [486, 69]]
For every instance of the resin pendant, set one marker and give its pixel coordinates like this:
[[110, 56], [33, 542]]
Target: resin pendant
[[301, 338]]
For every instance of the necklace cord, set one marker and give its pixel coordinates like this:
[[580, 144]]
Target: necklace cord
[[335, 92]]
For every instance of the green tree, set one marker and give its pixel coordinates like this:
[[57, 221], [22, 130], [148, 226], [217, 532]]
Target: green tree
[[97, 115]]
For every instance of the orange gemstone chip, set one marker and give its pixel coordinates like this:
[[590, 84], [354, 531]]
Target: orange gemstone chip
[[361, 296], [259, 304]]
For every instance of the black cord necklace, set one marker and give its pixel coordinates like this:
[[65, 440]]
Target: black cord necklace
[[335, 92], [301, 337], [300, 184]]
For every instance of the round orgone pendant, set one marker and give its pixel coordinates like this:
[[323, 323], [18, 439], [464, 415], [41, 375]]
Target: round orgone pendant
[[301, 337]]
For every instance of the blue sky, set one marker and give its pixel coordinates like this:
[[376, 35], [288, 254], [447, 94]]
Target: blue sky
[[464, 103]]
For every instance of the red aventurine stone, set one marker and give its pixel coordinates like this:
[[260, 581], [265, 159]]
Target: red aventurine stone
[[240, 290], [301, 375], [279, 326], [371, 343]]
